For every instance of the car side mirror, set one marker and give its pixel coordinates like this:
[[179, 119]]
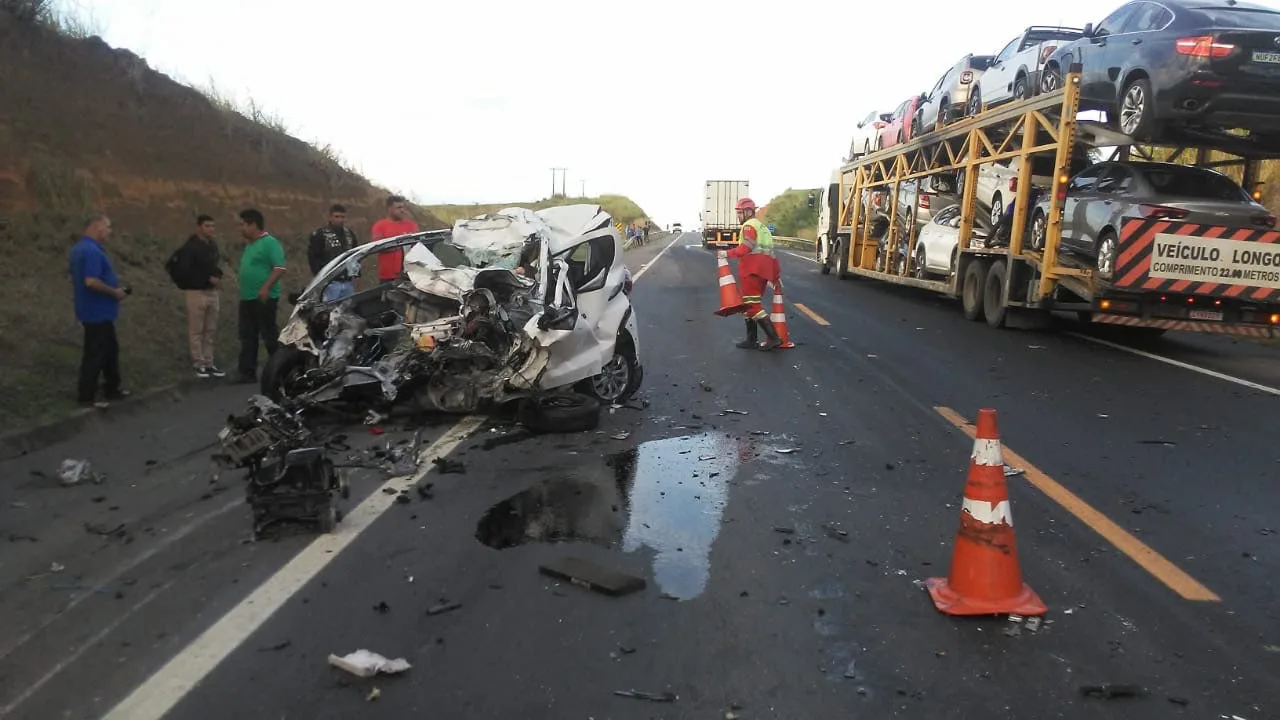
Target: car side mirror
[[1088, 30]]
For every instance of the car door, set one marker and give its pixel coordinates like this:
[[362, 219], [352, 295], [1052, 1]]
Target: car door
[[997, 81], [589, 281], [939, 238], [930, 111], [1096, 83], [1108, 203], [1081, 191]]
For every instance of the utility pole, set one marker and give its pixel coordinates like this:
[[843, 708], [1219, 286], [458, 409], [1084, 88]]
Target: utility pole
[[584, 188], [553, 181]]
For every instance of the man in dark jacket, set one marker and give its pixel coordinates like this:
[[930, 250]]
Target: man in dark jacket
[[195, 269], [328, 243]]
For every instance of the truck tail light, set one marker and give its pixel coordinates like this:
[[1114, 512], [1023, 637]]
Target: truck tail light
[[1061, 190], [1203, 46], [966, 77], [1275, 318], [1162, 212], [1268, 220]]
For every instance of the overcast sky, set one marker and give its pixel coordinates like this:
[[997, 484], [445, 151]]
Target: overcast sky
[[476, 101]]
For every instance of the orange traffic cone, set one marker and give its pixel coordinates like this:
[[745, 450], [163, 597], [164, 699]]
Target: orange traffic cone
[[730, 299], [779, 318], [985, 578]]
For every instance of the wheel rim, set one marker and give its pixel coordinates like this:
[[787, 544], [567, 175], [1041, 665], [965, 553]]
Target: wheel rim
[[1038, 229], [1050, 81], [919, 269], [997, 211], [613, 379], [1132, 109], [974, 105], [1106, 257], [1020, 88]]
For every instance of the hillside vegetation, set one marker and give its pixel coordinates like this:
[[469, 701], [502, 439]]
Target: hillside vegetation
[[623, 209], [791, 215], [87, 127]]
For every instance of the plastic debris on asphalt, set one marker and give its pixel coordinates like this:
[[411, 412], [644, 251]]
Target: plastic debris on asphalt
[[363, 663], [74, 472]]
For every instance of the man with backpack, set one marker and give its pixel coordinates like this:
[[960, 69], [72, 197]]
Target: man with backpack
[[194, 268]]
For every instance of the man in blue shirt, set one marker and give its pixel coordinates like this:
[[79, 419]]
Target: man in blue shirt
[[97, 300]]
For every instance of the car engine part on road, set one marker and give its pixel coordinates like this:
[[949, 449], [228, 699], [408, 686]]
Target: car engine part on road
[[290, 478]]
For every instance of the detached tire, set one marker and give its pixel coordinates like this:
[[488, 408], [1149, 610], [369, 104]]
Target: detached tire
[[560, 413], [282, 368]]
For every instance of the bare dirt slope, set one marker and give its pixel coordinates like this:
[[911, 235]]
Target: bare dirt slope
[[84, 127]]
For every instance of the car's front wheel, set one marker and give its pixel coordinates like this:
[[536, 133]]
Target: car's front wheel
[[283, 371], [619, 378], [1051, 80]]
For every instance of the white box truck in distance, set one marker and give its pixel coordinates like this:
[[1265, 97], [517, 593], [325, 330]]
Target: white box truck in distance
[[719, 212]]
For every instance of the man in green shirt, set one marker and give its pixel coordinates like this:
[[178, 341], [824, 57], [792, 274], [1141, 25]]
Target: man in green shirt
[[261, 267]]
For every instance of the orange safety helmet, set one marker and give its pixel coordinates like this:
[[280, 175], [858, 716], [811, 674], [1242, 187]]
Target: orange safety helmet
[[746, 204]]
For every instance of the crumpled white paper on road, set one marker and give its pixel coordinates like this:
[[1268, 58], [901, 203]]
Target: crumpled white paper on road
[[363, 663]]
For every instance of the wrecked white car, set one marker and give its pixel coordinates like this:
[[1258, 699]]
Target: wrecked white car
[[505, 306]]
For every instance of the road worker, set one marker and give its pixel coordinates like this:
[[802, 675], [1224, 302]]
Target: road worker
[[757, 266]]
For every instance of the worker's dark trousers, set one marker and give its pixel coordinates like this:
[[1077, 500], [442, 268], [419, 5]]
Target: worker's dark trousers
[[101, 358], [257, 321]]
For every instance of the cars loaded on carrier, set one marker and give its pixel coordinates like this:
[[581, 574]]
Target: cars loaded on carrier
[[1152, 65], [1014, 73], [950, 95], [512, 305]]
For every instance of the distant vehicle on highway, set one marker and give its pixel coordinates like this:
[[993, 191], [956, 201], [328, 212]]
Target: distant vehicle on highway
[[676, 228], [1099, 200], [1149, 65], [719, 216], [1014, 73]]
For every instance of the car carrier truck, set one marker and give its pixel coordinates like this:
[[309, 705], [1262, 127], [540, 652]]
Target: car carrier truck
[[720, 226], [1160, 273]]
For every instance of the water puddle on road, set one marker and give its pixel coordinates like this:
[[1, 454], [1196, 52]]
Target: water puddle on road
[[664, 495]]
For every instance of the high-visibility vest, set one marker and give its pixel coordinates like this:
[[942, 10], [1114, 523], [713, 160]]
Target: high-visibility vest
[[764, 238]]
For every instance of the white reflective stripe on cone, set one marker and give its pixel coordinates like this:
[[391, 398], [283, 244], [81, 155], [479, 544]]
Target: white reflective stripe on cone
[[987, 452], [988, 512], [778, 318], [726, 280]]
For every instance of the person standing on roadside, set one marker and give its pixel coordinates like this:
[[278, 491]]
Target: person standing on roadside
[[196, 269], [328, 243], [97, 293], [261, 267], [397, 222]]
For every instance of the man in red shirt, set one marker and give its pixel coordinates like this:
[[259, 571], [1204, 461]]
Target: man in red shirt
[[397, 222]]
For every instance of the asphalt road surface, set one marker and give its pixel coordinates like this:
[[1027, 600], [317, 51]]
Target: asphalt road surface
[[783, 545]]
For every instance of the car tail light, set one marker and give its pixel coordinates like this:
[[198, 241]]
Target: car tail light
[[878, 124], [966, 77], [1046, 51], [1162, 212], [924, 202], [1013, 184], [1268, 220], [1203, 46]]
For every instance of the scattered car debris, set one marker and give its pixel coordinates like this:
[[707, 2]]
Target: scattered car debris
[[784, 451], [1112, 692], [445, 466], [363, 663], [836, 533], [16, 537], [784, 530], [591, 576], [424, 491], [103, 530], [382, 608], [74, 472], [443, 607], [733, 412], [621, 436], [851, 671], [1011, 471], [1181, 701], [290, 478], [277, 647], [374, 694], [665, 697]]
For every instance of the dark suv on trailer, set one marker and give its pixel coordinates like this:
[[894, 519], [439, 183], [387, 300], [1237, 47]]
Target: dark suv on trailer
[[1150, 65]]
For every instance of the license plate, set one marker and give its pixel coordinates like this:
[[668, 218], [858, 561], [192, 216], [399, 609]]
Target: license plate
[[1206, 314], [1266, 57]]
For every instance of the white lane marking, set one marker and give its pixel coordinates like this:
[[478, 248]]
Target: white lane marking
[[1178, 363], [97, 637], [654, 261], [168, 686], [120, 571], [987, 453], [988, 512], [802, 257]]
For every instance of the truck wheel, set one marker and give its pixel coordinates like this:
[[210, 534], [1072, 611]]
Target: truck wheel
[[993, 298], [975, 277]]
